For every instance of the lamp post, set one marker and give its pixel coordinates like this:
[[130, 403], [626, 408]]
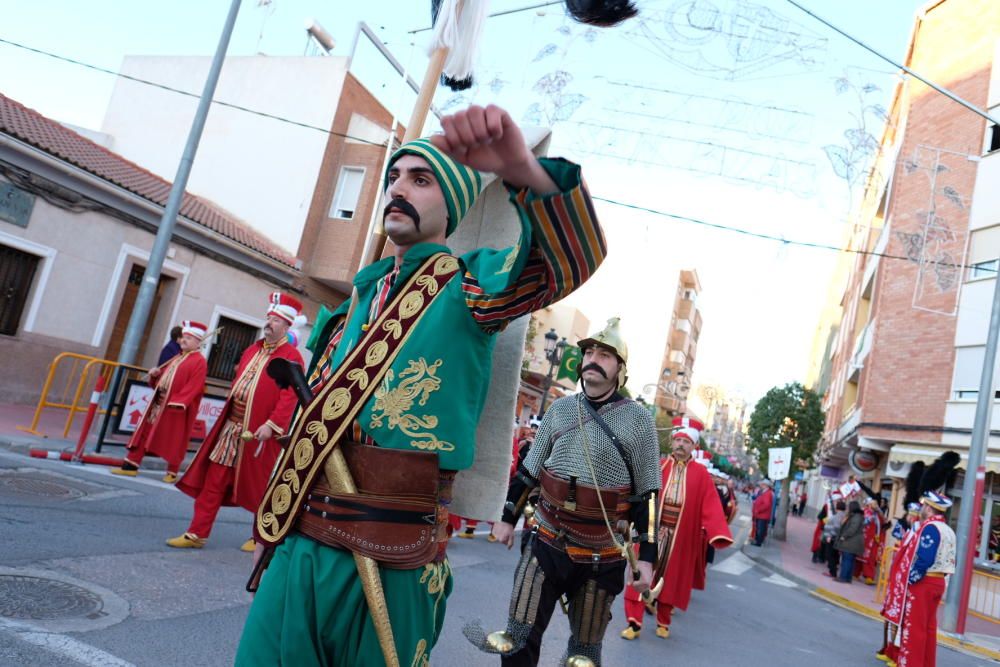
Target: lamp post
[[677, 389], [554, 348]]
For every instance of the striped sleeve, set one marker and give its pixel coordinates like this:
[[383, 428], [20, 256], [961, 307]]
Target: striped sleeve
[[567, 246]]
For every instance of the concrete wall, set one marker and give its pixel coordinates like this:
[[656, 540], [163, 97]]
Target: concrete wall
[[261, 169]]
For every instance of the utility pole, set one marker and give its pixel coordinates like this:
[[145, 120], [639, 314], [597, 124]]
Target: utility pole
[[151, 278]]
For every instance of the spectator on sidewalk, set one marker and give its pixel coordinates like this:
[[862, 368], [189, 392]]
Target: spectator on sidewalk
[[803, 497], [850, 541], [818, 555], [830, 531], [762, 506], [173, 346]]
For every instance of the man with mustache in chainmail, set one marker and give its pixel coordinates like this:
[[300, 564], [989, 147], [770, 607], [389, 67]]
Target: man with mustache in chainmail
[[595, 459]]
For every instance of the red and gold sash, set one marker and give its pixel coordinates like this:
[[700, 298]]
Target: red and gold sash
[[335, 407]]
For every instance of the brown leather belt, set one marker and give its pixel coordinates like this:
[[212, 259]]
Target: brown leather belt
[[395, 518], [573, 511]]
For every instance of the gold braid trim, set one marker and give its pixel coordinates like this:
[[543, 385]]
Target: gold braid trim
[[333, 409]]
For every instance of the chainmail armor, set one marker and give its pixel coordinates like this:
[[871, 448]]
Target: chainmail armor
[[559, 446]]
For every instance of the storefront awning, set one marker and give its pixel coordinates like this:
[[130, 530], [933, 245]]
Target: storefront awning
[[904, 453]]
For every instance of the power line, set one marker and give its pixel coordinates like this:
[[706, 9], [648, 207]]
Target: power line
[[171, 89], [781, 239]]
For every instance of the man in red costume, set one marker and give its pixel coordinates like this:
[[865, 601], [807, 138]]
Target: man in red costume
[[868, 561], [917, 584], [691, 518], [166, 424], [235, 462]]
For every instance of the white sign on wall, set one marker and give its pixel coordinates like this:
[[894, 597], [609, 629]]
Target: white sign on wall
[[138, 396]]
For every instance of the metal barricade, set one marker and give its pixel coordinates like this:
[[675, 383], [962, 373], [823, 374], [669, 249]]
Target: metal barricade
[[76, 372]]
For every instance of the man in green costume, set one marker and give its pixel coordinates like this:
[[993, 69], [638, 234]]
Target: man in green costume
[[400, 375]]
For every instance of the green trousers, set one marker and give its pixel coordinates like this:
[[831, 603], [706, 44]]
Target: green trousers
[[310, 609]]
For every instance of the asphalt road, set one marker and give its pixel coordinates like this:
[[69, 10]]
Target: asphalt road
[[85, 579]]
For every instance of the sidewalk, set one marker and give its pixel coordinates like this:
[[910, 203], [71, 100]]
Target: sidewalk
[[51, 426], [793, 559]]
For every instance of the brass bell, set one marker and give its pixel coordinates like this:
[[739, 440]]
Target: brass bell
[[529, 512], [500, 641], [246, 436], [579, 661]]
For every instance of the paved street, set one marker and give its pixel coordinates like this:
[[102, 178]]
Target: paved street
[[85, 579]]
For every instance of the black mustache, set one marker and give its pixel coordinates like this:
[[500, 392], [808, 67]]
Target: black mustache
[[404, 207], [594, 367]]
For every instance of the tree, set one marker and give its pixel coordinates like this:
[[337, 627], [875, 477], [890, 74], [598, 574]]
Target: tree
[[788, 416]]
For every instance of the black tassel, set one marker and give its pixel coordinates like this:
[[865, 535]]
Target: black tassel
[[867, 489], [456, 84], [913, 484], [938, 473], [601, 13]]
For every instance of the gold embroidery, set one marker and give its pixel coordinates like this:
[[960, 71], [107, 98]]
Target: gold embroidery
[[445, 264], [282, 498], [511, 258], [420, 657], [304, 452], [393, 405], [319, 430], [434, 576], [411, 305], [336, 403]]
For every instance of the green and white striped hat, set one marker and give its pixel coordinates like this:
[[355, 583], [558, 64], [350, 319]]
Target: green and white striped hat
[[460, 184]]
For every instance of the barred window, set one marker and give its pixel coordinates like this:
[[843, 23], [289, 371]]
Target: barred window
[[17, 271], [235, 337]]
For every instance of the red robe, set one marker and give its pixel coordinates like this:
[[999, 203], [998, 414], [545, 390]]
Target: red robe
[[267, 404], [168, 437], [701, 523], [873, 538]]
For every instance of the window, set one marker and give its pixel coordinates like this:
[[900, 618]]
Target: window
[[348, 192], [17, 270], [235, 337], [987, 269], [968, 372], [994, 137]]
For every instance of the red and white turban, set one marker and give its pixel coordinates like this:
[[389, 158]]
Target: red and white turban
[[284, 306], [192, 328], [688, 427]]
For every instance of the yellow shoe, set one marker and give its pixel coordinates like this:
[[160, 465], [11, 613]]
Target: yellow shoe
[[466, 534], [890, 663], [869, 581], [248, 546], [491, 538], [881, 656], [186, 541], [170, 478], [662, 631], [630, 633], [125, 472]]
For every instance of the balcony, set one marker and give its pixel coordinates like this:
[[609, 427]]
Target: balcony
[[676, 357], [862, 346]]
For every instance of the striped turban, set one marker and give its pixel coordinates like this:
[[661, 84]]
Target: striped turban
[[459, 184]]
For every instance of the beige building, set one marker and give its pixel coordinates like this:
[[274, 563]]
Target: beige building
[[76, 225], [566, 323], [681, 348]]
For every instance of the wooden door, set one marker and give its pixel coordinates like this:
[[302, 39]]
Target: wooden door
[[125, 312]]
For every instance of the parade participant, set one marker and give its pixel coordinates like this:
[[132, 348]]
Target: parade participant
[[873, 541], [763, 508], [595, 461], [691, 518], [173, 346], [918, 584], [405, 366], [903, 532], [730, 505], [165, 427], [234, 463]]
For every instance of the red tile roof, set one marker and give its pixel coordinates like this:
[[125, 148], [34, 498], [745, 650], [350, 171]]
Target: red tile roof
[[45, 134]]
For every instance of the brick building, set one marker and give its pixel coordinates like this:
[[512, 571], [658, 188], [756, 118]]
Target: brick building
[[896, 351], [681, 348]]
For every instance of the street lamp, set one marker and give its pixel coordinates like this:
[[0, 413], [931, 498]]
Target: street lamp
[[554, 348]]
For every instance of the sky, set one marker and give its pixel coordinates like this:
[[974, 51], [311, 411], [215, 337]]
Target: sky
[[726, 112]]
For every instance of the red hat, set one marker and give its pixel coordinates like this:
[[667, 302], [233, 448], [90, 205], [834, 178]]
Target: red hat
[[192, 328], [284, 306], [688, 427]]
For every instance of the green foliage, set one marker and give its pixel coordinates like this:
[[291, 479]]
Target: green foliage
[[788, 416], [529, 340]]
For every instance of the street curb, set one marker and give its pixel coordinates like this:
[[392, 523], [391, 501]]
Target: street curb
[[858, 608], [154, 464]]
